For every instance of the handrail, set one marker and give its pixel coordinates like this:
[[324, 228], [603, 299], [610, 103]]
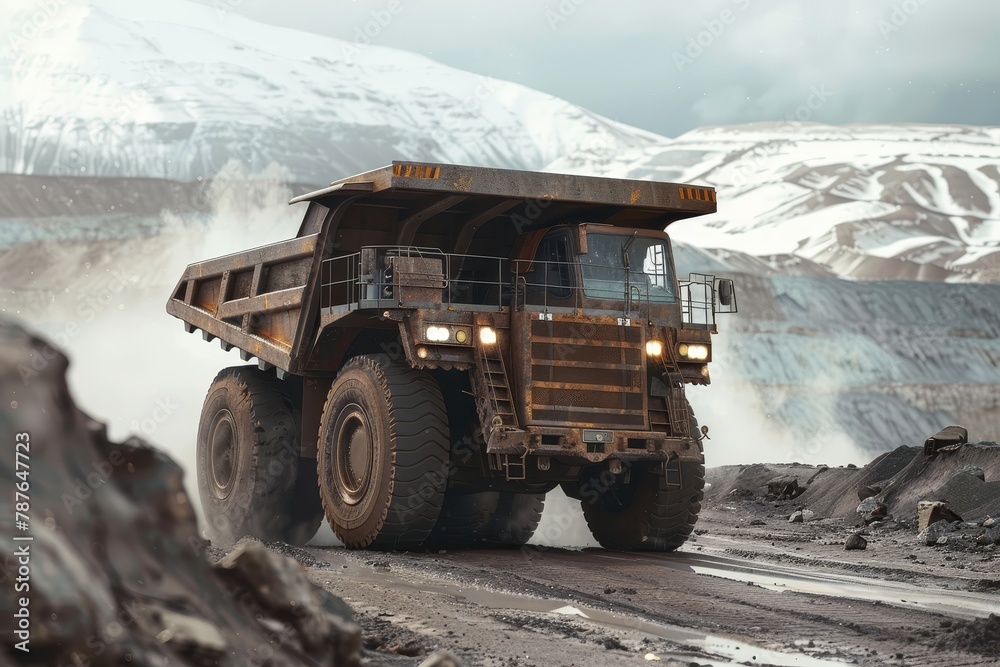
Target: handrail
[[480, 280], [698, 312]]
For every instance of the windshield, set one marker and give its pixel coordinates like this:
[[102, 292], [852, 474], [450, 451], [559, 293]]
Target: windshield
[[649, 269]]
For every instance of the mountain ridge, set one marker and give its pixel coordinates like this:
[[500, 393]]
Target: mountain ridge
[[123, 76], [865, 201]]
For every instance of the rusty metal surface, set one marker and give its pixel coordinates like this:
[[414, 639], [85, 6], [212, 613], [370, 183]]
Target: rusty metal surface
[[275, 316], [449, 206], [516, 184], [250, 300], [586, 374], [567, 444]]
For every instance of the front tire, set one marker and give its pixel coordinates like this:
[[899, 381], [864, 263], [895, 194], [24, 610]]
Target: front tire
[[249, 472], [647, 514], [383, 454]]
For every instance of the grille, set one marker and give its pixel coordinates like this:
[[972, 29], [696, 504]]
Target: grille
[[587, 374]]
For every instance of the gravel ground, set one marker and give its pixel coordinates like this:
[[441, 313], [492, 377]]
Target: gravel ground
[[749, 588]]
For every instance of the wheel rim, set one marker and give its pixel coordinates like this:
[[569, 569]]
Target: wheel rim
[[222, 440], [355, 454]]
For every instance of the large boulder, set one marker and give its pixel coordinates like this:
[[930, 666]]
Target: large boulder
[[117, 572], [932, 511]]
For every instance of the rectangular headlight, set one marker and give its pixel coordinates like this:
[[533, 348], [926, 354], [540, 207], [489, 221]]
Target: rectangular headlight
[[694, 351]]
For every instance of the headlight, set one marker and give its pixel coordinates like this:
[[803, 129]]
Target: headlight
[[487, 336], [654, 348], [694, 352], [437, 334]]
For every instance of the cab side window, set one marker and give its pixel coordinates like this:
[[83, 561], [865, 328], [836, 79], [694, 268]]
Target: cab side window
[[551, 275]]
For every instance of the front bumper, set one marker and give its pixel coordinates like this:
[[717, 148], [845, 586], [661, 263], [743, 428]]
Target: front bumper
[[593, 445]]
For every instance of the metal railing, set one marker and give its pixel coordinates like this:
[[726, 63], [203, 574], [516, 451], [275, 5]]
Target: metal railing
[[368, 279], [700, 301]]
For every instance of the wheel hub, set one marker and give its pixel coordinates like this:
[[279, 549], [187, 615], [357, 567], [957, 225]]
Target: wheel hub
[[222, 439], [354, 454]]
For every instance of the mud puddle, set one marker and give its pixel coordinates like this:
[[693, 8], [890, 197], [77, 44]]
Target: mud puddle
[[777, 578], [707, 649]]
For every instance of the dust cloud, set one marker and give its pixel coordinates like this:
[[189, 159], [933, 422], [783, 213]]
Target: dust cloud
[[743, 428], [131, 364]]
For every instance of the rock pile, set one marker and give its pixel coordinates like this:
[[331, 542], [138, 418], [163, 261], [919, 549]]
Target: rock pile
[[117, 571], [965, 533], [948, 496]]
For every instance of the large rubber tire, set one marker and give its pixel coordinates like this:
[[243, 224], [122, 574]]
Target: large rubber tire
[[383, 454], [464, 518], [515, 520], [487, 519], [307, 508], [646, 515], [250, 476]]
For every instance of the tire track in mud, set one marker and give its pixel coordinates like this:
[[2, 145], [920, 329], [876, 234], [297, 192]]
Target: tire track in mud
[[724, 620]]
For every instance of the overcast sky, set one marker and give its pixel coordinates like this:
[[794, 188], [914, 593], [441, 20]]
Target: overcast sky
[[669, 66]]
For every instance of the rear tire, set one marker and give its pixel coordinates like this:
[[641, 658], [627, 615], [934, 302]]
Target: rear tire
[[249, 470], [487, 519], [515, 520], [383, 454], [464, 518]]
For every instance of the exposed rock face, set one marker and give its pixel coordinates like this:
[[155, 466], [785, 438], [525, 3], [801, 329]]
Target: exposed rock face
[[118, 573], [905, 477]]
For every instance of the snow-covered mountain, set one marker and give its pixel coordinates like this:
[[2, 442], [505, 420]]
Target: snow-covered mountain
[[112, 88], [875, 201], [176, 90]]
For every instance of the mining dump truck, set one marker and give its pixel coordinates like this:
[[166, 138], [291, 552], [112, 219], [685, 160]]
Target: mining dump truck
[[439, 346]]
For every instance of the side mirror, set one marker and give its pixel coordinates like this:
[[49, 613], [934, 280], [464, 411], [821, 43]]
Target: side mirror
[[726, 291]]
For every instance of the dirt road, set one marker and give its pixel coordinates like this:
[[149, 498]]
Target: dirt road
[[774, 593]]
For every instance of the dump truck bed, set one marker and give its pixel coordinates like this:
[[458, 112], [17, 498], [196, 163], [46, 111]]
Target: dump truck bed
[[264, 301]]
